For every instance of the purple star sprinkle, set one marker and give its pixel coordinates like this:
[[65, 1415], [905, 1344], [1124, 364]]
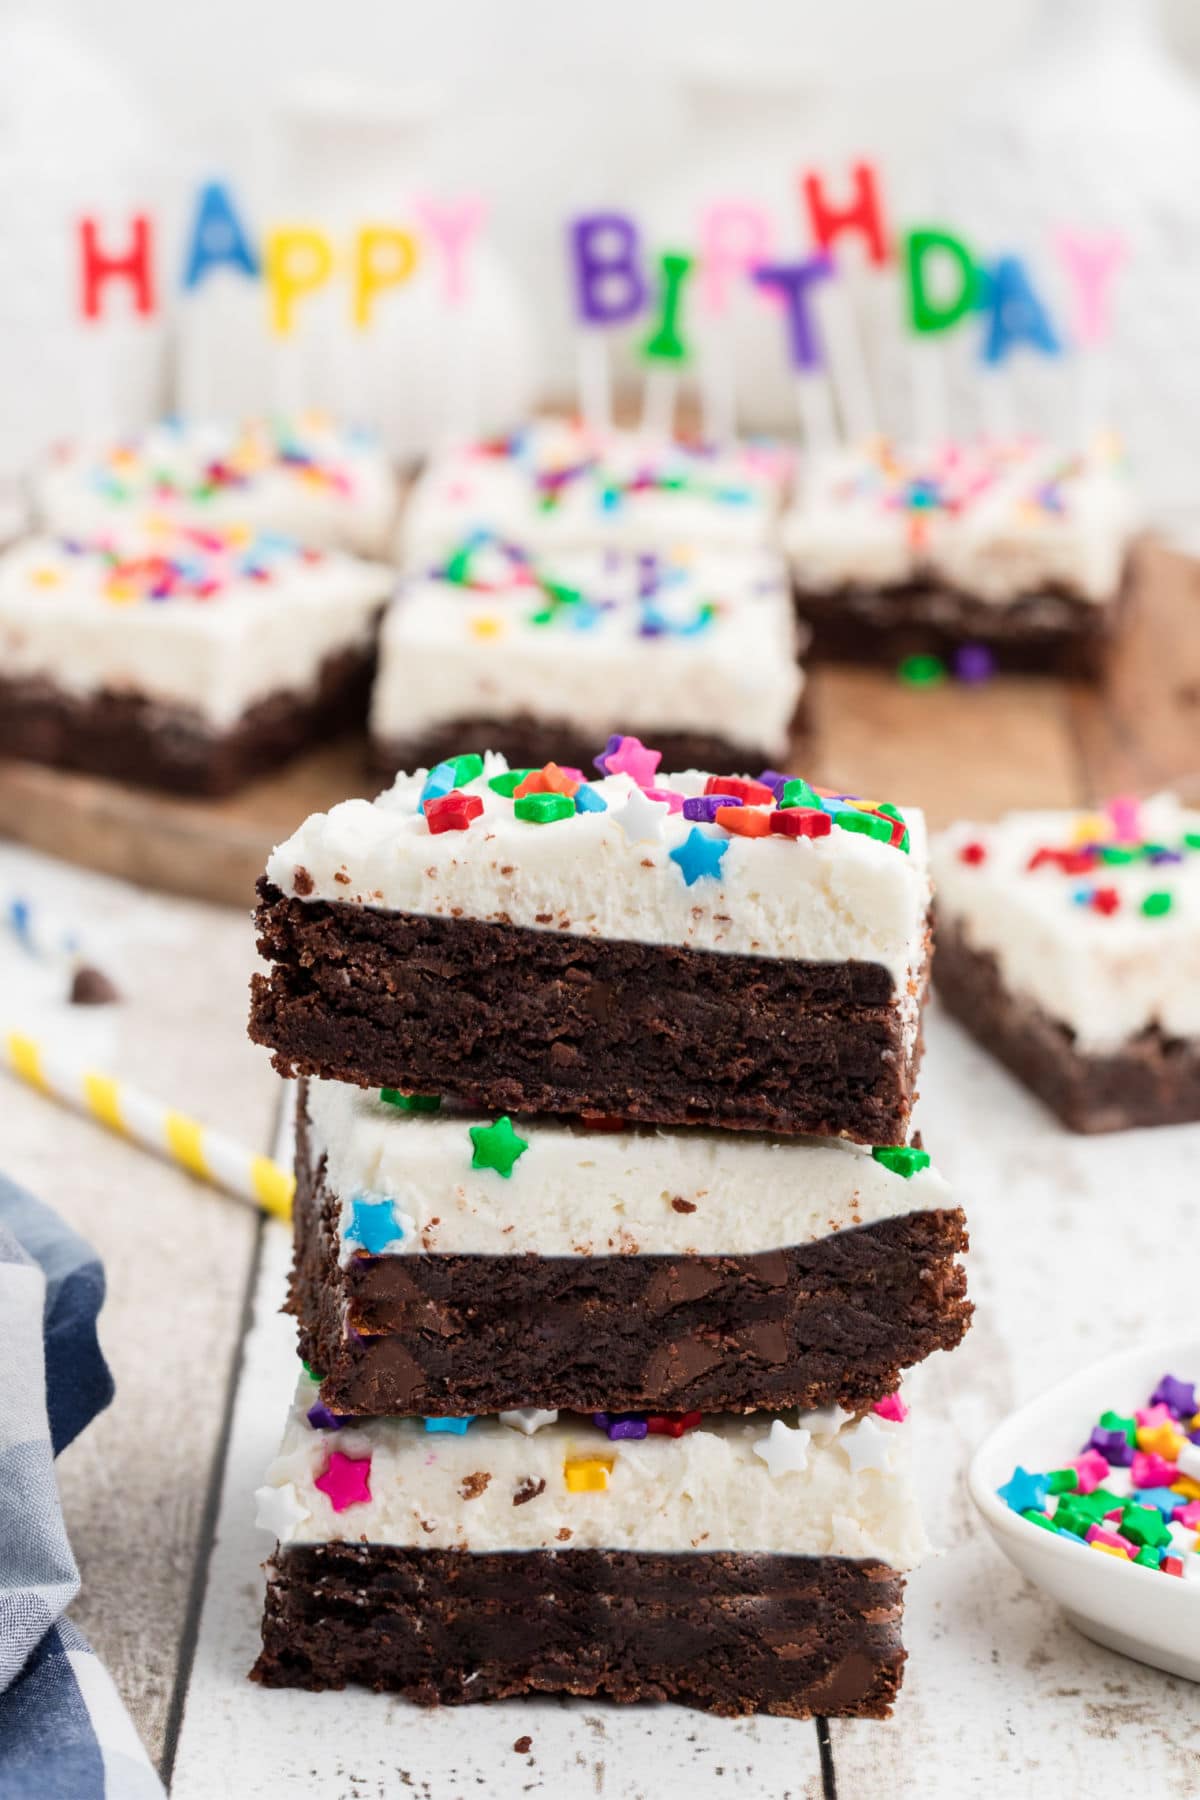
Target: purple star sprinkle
[[774, 780], [1178, 1396], [610, 749], [1113, 1445], [704, 807], [321, 1419], [974, 663]]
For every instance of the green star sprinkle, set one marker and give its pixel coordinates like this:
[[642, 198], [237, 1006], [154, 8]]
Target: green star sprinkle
[[922, 671], [798, 793], [507, 783], [901, 1159], [866, 824], [466, 768], [411, 1103], [312, 1373], [1115, 1421], [1155, 905], [1192, 840], [497, 1146], [1117, 853], [544, 809]]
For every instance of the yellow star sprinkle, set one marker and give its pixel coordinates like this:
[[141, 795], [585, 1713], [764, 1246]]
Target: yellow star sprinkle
[[45, 577], [485, 625], [587, 1474], [1161, 1439]]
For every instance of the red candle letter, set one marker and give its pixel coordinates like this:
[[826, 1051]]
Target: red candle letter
[[864, 214], [134, 264]]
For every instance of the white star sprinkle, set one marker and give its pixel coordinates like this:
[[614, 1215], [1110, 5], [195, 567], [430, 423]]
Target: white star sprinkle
[[278, 1510], [785, 1450], [642, 820], [528, 1419], [826, 1422], [1188, 1461], [868, 1446]]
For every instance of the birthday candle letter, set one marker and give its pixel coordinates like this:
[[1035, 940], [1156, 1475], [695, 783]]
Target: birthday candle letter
[[217, 238], [298, 260], [925, 313], [609, 284], [864, 214], [735, 235], [664, 343], [1014, 312], [454, 228], [793, 281], [384, 257], [1091, 263], [134, 265]]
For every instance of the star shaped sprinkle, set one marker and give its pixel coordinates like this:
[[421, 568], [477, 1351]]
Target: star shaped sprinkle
[[629, 756], [868, 1446], [784, 1449], [700, 855], [891, 1407], [827, 1421], [374, 1226], [346, 1481], [497, 1146], [528, 1419], [453, 1427], [278, 1510], [1025, 1492], [642, 820]]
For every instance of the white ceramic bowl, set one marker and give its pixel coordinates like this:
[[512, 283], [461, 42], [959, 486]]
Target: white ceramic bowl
[[1153, 1618]]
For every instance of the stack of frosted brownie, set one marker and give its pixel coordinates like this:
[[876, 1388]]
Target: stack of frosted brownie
[[611, 1241]]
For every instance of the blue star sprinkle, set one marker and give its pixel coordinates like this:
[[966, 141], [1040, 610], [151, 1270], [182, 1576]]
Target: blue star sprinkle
[[699, 854]]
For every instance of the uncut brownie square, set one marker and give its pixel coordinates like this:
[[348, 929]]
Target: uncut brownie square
[[634, 947], [301, 475], [450, 1263], [696, 651], [1069, 944], [990, 554], [558, 484], [181, 658], [734, 1565]]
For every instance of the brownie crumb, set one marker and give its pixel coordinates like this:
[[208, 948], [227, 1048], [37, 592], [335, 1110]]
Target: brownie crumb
[[92, 987], [341, 875], [473, 1485], [564, 1532], [302, 881], [529, 1490], [521, 1745], [679, 1204]]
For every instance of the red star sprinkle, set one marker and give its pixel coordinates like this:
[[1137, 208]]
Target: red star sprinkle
[[797, 821], [973, 854], [750, 793], [1106, 900], [452, 812], [346, 1480]]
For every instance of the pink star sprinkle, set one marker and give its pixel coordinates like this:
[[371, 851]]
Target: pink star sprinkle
[[346, 1481], [1091, 1469], [1125, 813], [891, 1407], [1150, 1417], [632, 758], [1152, 1470], [1188, 1514]]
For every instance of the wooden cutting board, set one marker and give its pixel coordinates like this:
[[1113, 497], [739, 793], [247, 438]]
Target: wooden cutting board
[[955, 750]]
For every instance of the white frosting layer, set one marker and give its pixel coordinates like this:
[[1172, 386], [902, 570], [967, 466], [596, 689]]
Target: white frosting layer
[[692, 642], [84, 619], [556, 486], [305, 477], [707, 1490], [580, 1192], [610, 874], [1108, 975], [997, 521]]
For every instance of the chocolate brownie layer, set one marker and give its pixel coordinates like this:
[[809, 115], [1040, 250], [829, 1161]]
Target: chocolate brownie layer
[[531, 743], [512, 1020], [831, 1321], [131, 738], [725, 1633], [1153, 1080], [1048, 633]]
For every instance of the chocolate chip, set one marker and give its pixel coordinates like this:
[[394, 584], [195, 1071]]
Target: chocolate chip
[[92, 987], [521, 1745], [528, 1490], [681, 1205]]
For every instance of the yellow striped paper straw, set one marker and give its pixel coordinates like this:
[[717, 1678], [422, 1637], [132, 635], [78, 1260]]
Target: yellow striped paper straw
[[205, 1153]]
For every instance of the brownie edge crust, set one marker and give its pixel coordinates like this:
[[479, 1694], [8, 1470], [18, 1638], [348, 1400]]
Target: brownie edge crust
[[1151, 1080], [510, 1019], [722, 1632]]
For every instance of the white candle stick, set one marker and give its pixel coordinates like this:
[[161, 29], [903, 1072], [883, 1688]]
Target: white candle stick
[[658, 402], [595, 382]]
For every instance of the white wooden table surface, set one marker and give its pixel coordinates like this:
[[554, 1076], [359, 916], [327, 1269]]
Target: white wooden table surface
[[1078, 1247]]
